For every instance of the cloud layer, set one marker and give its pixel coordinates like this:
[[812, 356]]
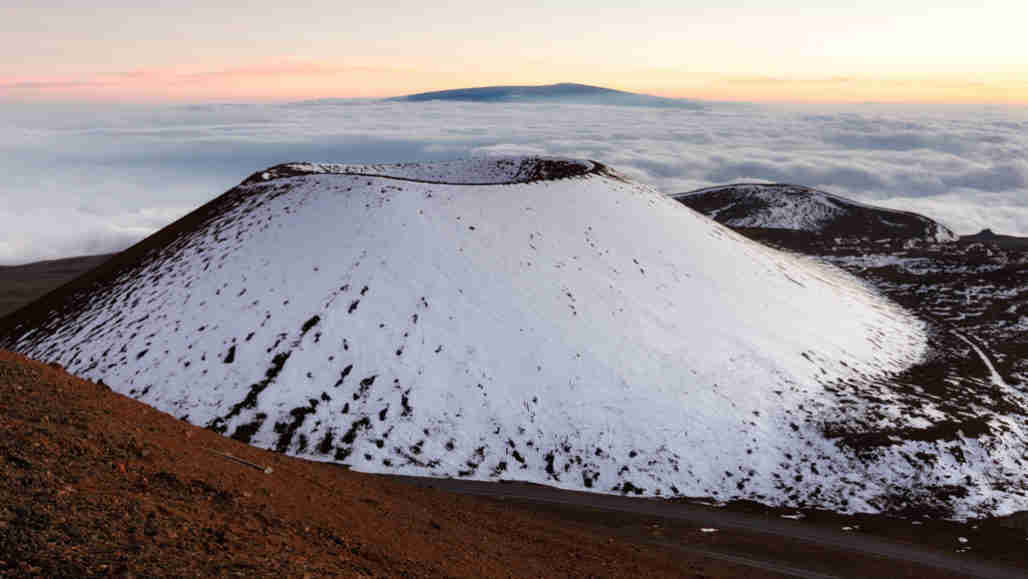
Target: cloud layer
[[83, 180]]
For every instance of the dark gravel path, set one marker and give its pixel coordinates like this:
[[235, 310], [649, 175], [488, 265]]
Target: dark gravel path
[[830, 541]]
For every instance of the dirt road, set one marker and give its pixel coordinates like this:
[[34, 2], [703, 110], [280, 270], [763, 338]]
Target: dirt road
[[829, 552]]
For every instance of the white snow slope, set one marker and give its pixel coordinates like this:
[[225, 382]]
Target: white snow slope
[[584, 332]]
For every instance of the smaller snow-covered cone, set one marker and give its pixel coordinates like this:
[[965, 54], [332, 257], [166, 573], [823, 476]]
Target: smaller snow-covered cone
[[537, 319], [802, 209]]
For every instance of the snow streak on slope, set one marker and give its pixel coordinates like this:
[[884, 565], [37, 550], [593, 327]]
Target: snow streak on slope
[[582, 332], [800, 208]]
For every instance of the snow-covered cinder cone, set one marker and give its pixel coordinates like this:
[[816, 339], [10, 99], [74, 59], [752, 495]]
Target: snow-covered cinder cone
[[535, 319], [802, 209]]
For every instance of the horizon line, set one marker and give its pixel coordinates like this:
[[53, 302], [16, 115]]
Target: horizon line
[[300, 81]]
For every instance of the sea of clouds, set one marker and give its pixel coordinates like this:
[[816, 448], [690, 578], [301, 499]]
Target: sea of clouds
[[77, 179]]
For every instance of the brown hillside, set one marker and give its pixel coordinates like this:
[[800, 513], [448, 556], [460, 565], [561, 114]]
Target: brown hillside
[[95, 483]]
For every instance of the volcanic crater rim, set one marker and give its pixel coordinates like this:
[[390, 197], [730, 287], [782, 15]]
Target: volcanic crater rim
[[474, 171]]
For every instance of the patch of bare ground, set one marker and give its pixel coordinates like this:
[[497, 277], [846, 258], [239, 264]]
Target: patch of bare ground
[[21, 284], [95, 483]]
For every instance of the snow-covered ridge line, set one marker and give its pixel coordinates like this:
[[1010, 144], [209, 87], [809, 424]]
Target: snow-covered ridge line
[[826, 194], [476, 171], [800, 208]]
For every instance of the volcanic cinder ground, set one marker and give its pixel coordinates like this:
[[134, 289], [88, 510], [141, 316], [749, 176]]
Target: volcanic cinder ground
[[544, 320]]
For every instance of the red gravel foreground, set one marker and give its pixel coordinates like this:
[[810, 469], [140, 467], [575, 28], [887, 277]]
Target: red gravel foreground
[[95, 483]]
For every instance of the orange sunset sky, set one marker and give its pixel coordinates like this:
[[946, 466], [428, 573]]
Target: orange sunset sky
[[790, 50]]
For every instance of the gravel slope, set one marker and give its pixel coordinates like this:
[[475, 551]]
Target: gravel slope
[[93, 483]]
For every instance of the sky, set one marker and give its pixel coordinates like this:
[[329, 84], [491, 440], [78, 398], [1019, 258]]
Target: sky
[[118, 116], [90, 178], [930, 51]]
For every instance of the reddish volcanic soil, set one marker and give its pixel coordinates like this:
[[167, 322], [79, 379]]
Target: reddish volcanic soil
[[94, 483]]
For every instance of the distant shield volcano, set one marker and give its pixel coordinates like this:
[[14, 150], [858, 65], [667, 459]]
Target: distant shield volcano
[[566, 92]]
